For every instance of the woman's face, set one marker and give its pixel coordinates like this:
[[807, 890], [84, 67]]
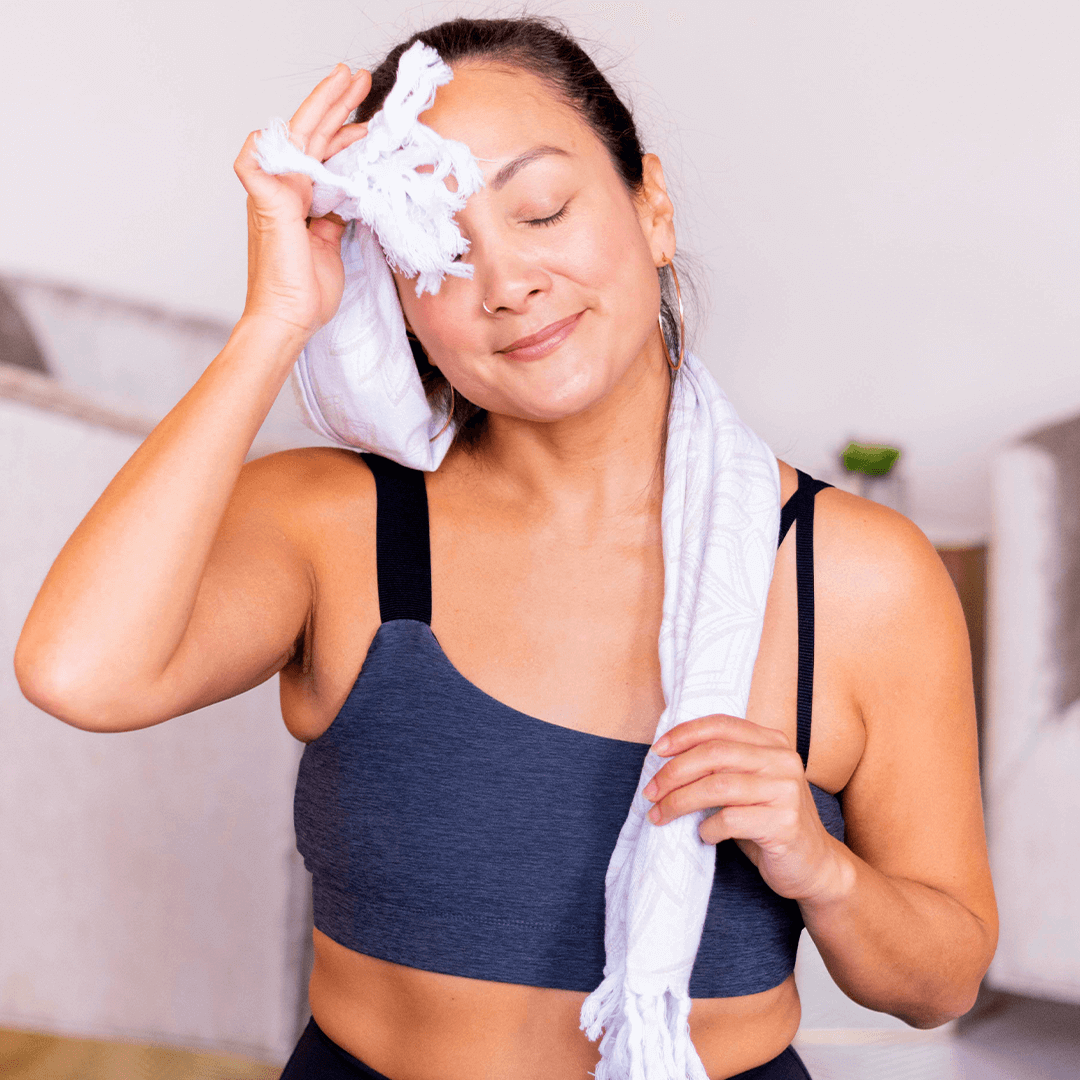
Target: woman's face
[[559, 248]]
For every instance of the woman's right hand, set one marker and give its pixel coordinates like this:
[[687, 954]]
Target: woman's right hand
[[295, 275]]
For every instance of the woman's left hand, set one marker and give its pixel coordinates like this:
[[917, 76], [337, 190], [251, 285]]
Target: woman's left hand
[[756, 780]]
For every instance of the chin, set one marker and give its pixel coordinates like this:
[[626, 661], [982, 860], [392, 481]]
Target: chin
[[548, 400]]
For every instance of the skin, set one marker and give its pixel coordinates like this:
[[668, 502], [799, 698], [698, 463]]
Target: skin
[[195, 577]]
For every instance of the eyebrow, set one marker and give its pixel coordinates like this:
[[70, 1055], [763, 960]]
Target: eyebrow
[[512, 168]]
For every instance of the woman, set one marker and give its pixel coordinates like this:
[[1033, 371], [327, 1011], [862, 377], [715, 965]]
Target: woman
[[196, 576]]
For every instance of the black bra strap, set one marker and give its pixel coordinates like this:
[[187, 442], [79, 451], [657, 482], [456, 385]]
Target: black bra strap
[[787, 515], [800, 507], [403, 553], [402, 540]]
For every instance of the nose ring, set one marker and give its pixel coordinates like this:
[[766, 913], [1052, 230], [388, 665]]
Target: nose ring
[[486, 308]]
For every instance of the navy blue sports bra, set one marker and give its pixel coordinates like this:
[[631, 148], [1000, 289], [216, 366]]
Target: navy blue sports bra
[[447, 831]]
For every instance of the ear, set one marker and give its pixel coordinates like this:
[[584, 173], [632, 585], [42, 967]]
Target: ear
[[656, 212]]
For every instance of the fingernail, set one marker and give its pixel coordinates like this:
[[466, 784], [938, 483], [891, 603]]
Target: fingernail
[[662, 745], [650, 789], [654, 815]]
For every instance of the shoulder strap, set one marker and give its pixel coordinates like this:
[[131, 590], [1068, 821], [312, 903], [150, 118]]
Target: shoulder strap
[[800, 507], [402, 540]]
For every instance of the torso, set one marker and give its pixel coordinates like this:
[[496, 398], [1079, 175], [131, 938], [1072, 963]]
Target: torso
[[562, 628]]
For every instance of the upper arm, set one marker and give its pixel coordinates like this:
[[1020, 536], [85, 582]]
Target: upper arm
[[256, 594], [912, 807], [189, 629]]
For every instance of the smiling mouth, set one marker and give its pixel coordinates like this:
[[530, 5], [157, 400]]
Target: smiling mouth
[[543, 340]]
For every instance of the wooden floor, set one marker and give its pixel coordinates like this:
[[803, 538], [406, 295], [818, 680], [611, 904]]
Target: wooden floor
[[28, 1055]]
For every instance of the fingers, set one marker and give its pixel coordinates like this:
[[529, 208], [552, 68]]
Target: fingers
[[344, 137], [316, 127], [339, 112], [713, 756], [327, 107], [717, 771], [756, 823], [328, 229], [717, 789], [314, 106], [259, 185], [717, 726]]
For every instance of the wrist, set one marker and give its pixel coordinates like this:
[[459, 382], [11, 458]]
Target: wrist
[[836, 882], [272, 337]]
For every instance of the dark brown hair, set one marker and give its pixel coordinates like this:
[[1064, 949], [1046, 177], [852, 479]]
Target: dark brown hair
[[543, 47]]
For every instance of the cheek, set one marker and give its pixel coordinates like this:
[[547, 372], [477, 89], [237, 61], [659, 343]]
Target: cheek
[[452, 340], [609, 253], [440, 321]]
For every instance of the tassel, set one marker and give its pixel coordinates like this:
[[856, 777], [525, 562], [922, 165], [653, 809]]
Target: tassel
[[377, 180], [645, 1036]]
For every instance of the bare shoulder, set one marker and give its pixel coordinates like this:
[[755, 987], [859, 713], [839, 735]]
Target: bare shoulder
[[898, 640], [877, 571], [884, 599], [303, 491], [312, 474], [867, 556]]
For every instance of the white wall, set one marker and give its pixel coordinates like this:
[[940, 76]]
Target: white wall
[[150, 884], [883, 195]]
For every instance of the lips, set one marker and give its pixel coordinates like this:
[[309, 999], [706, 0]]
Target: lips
[[549, 335]]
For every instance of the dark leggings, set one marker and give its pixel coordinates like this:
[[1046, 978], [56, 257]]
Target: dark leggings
[[318, 1057]]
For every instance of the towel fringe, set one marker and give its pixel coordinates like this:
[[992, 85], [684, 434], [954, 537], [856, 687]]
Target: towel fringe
[[645, 1036], [376, 179]]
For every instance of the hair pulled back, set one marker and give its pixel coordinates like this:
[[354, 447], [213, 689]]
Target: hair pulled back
[[544, 48]]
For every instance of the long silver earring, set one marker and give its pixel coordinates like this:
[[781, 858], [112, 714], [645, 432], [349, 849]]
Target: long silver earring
[[682, 322]]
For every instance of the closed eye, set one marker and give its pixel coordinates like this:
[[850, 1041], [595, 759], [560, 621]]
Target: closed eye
[[554, 219], [549, 220]]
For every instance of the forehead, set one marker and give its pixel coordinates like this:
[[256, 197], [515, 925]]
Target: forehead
[[501, 111]]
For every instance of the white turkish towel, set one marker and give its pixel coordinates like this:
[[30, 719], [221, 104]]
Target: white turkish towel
[[720, 520], [356, 381], [719, 524]]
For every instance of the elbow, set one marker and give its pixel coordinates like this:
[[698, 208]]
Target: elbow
[[928, 1007], [943, 1011], [64, 692], [950, 999], [35, 676]]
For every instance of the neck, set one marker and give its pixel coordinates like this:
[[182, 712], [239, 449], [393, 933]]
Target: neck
[[607, 460]]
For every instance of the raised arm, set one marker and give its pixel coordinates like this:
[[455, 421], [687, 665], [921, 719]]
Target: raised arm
[[185, 584]]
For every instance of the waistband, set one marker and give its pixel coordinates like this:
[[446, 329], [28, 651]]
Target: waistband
[[318, 1057]]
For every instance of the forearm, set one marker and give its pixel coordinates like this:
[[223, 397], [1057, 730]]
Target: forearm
[[114, 607], [896, 945]]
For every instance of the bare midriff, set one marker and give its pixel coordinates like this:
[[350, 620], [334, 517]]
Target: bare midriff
[[422, 1025]]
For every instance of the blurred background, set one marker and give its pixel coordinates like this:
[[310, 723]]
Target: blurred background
[[877, 204]]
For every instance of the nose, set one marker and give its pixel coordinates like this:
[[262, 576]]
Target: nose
[[509, 280]]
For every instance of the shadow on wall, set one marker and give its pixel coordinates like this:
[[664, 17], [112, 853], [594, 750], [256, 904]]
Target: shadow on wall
[[18, 345], [113, 362]]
